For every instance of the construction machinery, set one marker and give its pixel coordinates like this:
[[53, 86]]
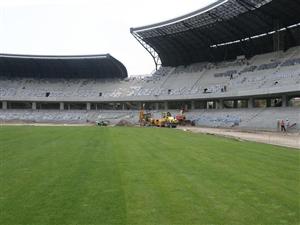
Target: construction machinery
[[146, 119], [166, 121], [182, 121]]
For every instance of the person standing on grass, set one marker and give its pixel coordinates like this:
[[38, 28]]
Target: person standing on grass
[[287, 124], [282, 124]]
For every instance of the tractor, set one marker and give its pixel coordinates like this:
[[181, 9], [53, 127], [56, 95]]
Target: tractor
[[166, 121]]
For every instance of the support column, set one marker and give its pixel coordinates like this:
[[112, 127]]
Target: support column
[[166, 105], [88, 106], [156, 106], [221, 104], [61, 106], [268, 102], [250, 103], [123, 106], [193, 105], [34, 106], [4, 105], [284, 101]]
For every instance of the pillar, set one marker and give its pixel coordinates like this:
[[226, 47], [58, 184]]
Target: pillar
[[156, 106], [221, 104], [250, 103], [61, 106], [284, 101], [193, 105], [88, 106], [166, 105], [4, 105], [269, 102], [34, 106]]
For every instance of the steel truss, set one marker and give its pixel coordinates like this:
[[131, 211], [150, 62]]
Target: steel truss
[[149, 49]]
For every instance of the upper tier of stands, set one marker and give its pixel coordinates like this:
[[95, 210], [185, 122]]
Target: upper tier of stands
[[276, 72]]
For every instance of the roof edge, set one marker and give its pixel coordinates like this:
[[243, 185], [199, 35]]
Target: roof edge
[[180, 18], [8, 55], [120, 65]]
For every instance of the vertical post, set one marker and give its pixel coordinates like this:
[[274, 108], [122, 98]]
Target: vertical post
[[250, 103], [269, 102], [166, 105], [88, 106], [192, 105], [156, 106], [33, 106], [61, 106], [284, 101], [4, 105], [221, 104]]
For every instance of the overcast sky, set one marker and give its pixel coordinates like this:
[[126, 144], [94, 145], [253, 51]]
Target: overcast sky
[[74, 27]]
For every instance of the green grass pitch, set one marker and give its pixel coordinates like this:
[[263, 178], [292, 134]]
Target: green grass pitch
[[108, 176]]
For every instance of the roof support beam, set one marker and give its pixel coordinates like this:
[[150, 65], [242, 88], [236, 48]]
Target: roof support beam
[[149, 49]]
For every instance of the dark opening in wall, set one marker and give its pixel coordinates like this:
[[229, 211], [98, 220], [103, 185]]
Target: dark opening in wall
[[48, 106], [47, 94], [75, 106], [178, 105], [294, 102], [19, 105]]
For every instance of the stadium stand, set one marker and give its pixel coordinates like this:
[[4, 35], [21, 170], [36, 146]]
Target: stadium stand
[[207, 63], [271, 71]]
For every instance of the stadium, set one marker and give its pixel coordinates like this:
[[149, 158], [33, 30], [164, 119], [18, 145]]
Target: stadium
[[100, 151]]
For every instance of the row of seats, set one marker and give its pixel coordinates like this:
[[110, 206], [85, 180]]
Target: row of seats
[[227, 118], [197, 79]]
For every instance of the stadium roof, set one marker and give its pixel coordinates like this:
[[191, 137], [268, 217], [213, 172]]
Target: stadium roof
[[222, 30], [83, 66]]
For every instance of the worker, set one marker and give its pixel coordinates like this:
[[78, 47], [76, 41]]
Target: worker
[[282, 125], [287, 124]]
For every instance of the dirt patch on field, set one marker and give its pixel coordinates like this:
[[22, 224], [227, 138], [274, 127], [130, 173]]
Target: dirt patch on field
[[280, 139], [124, 123]]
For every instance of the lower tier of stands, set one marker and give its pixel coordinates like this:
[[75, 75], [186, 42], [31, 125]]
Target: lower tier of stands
[[248, 119]]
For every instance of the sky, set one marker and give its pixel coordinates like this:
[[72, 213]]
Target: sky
[[82, 27]]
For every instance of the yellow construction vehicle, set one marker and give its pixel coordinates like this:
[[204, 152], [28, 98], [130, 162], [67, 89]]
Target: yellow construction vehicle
[[145, 119], [166, 121]]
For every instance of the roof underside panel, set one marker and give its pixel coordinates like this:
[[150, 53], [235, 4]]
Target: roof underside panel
[[103, 66], [190, 38]]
